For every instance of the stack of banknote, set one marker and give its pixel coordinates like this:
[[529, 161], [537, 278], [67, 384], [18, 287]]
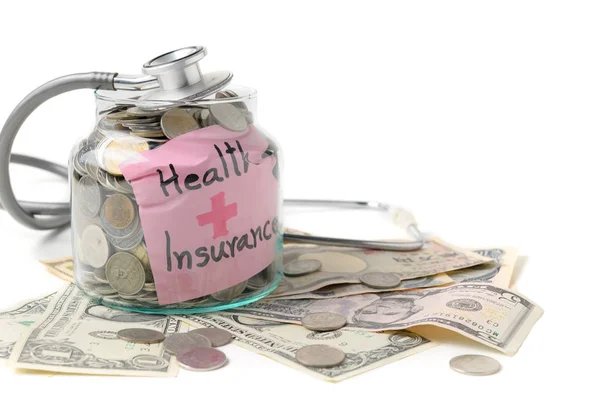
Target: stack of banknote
[[465, 291]]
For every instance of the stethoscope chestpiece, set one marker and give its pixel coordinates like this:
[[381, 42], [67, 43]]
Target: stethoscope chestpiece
[[180, 77]]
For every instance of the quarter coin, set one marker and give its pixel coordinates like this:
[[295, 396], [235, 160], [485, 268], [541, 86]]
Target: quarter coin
[[320, 356], [217, 337], [324, 321], [179, 343], [125, 273], [141, 335], [475, 364], [380, 280], [202, 359], [302, 267], [94, 246]]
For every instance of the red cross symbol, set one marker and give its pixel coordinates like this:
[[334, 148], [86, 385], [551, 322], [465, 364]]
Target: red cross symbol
[[219, 215]]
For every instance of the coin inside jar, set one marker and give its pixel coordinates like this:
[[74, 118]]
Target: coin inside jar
[[119, 211], [115, 150], [229, 117], [94, 246], [125, 273], [178, 121]]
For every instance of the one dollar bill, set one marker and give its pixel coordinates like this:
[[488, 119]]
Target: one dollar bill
[[497, 317], [364, 350], [76, 335]]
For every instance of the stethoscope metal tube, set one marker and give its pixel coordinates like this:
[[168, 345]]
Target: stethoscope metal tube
[[40, 215]]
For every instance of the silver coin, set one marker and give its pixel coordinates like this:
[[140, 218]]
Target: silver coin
[[230, 293], [260, 280], [179, 343], [202, 359], [217, 337], [94, 246], [320, 356], [100, 275], [178, 121], [138, 112], [475, 364], [125, 273], [129, 242], [87, 195], [141, 335], [150, 287], [302, 267], [380, 280], [323, 321], [229, 117], [102, 289]]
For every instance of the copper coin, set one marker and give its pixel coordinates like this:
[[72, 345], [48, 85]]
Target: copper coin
[[119, 211]]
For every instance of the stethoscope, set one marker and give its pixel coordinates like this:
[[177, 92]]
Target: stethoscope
[[172, 75]]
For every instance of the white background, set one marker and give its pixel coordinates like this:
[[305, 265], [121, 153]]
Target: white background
[[480, 117]]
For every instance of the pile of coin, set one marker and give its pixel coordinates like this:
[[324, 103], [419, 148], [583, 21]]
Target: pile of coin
[[194, 349], [112, 262]]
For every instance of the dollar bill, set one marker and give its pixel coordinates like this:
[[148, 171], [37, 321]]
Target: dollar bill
[[351, 289], [17, 320], [77, 335], [342, 265], [497, 272], [62, 267], [364, 350], [497, 317]]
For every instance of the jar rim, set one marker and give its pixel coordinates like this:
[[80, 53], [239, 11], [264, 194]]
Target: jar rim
[[131, 98]]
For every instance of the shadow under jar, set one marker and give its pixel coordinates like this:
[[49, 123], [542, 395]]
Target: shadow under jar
[[176, 204]]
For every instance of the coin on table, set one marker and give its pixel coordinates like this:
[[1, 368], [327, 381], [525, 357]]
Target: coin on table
[[125, 273], [179, 343], [217, 337], [141, 335], [320, 356], [323, 321], [302, 267], [94, 246], [202, 359], [230, 293], [178, 121], [87, 195], [475, 364], [380, 280], [229, 117]]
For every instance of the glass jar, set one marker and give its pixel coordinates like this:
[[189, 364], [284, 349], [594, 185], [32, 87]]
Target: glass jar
[[176, 204]]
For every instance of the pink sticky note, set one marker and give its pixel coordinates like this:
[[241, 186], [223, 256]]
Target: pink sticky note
[[208, 202]]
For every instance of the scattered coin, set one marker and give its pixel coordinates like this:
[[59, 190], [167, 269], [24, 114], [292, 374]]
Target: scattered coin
[[302, 267], [95, 246], [141, 335], [119, 211], [178, 121], [380, 280], [324, 321], [230, 293], [202, 359], [179, 343], [320, 356], [229, 117], [217, 337], [475, 364], [125, 273]]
